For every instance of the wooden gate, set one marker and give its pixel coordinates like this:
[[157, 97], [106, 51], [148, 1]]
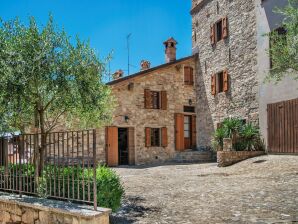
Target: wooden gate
[[283, 127]]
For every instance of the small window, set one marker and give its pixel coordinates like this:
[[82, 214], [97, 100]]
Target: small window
[[189, 109], [220, 82], [155, 136], [219, 35], [155, 99], [186, 127]]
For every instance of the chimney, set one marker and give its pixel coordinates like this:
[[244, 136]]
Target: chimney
[[118, 74], [170, 50], [145, 65]]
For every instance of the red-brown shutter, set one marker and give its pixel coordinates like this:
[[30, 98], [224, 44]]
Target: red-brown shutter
[[164, 100], [225, 80], [147, 137], [147, 99], [191, 79], [186, 75], [193, 131], [212, 34], [179, 132], [112, 146], [224, 27], [164, 137], [213, 84]]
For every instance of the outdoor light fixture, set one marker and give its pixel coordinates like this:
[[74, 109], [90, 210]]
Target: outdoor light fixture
[[126, 118], [190, 102]]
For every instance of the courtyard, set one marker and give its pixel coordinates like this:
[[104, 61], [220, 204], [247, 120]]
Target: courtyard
[[258, 190]]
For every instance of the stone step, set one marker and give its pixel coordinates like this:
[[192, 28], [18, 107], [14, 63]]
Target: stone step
[[193, 156]]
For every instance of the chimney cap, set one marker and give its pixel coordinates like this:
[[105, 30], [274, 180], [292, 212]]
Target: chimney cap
[[145, 65], [118, 74], [170, 40]]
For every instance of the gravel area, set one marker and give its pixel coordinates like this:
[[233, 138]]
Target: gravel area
[[258, 190]]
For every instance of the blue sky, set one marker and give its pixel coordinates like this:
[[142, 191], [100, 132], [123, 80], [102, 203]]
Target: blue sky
[[107, 23]]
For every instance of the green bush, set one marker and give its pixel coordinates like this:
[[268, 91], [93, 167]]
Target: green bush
[[77, 183]]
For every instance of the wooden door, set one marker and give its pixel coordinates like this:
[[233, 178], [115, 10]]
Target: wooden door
[[283, 127], [112, 146], [179, 132]]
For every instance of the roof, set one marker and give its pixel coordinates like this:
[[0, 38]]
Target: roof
[[198, 6], [150, 70]]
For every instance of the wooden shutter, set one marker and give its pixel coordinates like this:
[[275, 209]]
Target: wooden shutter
[[193, 131], [179, 132], [191, 79], [147, 99], [225, 80], [224, 27], [164, 137], [213, 84], [212, 34], [164, 100], [112, 146], [147, 137], [186, 75]]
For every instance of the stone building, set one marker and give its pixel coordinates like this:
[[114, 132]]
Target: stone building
[[155, 115], [228, 36]]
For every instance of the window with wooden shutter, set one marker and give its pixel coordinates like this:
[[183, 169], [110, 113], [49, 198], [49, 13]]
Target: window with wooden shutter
[[213, 84], [224, 27], [188, 75], [225, 80], [147, 137], [164, 100], [147, 99], [212, 34], [164, 137]]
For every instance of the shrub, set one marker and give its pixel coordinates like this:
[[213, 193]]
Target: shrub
[[244, 136]]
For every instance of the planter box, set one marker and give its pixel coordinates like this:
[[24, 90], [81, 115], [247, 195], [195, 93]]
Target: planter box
[[227, 158]]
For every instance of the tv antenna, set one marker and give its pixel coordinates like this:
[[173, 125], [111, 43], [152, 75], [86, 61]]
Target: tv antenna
[[128, 52]]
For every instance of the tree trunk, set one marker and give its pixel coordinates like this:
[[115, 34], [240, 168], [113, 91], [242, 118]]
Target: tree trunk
[[43, 138]]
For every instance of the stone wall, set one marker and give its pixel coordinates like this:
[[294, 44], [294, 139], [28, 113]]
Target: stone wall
[[29, 210], [237, 54], [130, 103], [227, 158]]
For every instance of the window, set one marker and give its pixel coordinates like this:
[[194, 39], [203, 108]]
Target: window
[[155, 100], [186, 127], [219, 31], [281, 32], [155, 137], [219, 82], [189, 109], [188, 75]]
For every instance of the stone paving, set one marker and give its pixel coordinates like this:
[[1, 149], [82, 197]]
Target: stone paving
[[258, 190]]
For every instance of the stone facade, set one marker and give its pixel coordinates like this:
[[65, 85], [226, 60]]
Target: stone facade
[[243, 54], [29, 210], [237, 53], [227, 158], [129, 95]]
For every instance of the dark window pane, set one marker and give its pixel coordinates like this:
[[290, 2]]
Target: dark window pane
[[220, 81], [155, 100], [189, 109], [155, 137], [219, 30]]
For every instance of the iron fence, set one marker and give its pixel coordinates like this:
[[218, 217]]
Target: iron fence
[[58, 165]]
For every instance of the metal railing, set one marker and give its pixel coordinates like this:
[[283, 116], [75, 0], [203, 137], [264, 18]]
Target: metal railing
[[68, 165]]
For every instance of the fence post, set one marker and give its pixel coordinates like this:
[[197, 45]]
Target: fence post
[[94, 171]]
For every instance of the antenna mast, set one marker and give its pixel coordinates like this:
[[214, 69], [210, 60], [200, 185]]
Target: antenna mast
[[128, 52]]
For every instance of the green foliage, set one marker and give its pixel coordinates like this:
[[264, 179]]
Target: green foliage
[[284, 48], [45, 79], [245, 136], [76, 179]]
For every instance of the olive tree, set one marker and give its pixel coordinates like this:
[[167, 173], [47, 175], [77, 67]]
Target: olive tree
[[46, 79], [284, 48]]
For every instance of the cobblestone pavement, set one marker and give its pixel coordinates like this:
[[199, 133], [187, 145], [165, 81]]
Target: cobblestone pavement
[[258, 190]]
